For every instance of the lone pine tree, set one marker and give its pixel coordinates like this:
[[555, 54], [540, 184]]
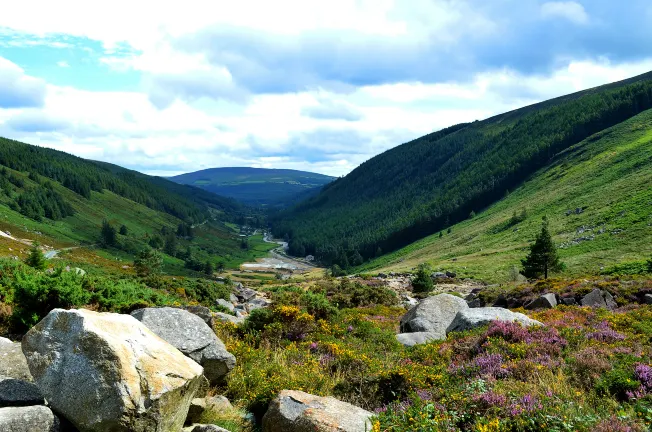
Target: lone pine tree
[[543, 255]]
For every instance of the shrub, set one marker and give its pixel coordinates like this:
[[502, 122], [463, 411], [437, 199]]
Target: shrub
[[422, 281]]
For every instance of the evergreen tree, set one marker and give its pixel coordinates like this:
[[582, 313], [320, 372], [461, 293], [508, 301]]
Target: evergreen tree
[[148, 262], [108, 234], [36, 258], [422, 281], [124, 230], [543, 256], [170, 247], [208, 268]]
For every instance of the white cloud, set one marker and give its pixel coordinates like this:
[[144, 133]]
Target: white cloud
[[569, 10], [18, 89], [63, 64]]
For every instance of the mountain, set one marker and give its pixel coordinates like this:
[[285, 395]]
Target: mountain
[[431, 183], [62, 200], [257, 186], [607, 177]]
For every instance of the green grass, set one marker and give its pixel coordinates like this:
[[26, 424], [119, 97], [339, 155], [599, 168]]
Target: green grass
[[610, 174]]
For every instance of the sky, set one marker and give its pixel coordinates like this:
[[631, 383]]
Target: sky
[[169, 87]]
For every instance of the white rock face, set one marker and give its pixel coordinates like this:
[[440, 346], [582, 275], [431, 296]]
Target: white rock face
[[477, 317], [108, 372], [296, 411]]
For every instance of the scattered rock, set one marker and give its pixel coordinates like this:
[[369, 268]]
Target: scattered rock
[[451, 274], [647, 299], [257, 303], [409, 302], [190, 335], [433, 314], [108, 372], [568, 301], [233, 298], [28, 419], [15, 392], [202, 312], [599, 299], [546, 301], [468, 319], [296, 411], [12, 361], [417, 338], [225, 304], [474, 302], [438, 275], [243, 293]]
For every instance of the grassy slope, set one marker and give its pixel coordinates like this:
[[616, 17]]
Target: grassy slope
[[84, 226], [610, 173]]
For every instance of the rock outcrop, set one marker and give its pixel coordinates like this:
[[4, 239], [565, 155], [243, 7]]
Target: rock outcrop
[[468, 319], [190, 335], [12, 361], [599, 299], [108, 372], [296, 411], [433, 315], [28, 419]]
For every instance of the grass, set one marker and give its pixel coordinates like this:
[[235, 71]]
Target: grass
[[609, 175]]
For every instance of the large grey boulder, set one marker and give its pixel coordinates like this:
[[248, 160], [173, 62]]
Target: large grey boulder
[[546, 301], [28, 419], [190, 335], [202, 312], [257, 303], [599, 299], [477, 317], [12, 361], [433, 315], [14, 392], [107, 372], [417, 338], [296, 411]]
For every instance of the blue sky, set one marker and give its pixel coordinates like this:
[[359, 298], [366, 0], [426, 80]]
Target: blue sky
[[309, 85]]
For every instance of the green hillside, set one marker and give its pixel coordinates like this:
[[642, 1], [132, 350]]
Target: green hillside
[[431, 183], [61, 201], [608, 176], [257, 186]]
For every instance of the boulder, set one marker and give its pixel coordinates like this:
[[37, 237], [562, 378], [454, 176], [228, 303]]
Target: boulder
[[199, 405], [417, 338], [232, 298], [409, 302], [28, 419], [12, 361], [568, 301], [225, 304], [224, 317], [296, 411], [647, 299], [108, 372], [599, 299], [189, 334], [546, 301], [468, 319], [451, 274], [15, 392], [202, 312], [243, 293], [433, 314], [257, 303]]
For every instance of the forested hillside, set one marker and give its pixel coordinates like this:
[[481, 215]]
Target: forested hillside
[[82, 177], [257, 186], [431, 183]]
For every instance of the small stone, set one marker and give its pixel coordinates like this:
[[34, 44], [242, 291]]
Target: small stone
[[647, 298], [28, 419], [546, 301], [15, 392]]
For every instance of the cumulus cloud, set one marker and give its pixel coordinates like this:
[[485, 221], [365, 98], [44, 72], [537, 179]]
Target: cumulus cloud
[[332, 110], [18, 90], [569, 10], [36, 121]]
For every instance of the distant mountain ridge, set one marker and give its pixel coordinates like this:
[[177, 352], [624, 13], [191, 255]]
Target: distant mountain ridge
[[257, 186]]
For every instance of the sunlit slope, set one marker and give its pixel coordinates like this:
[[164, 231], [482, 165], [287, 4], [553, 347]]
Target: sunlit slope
[[609, 175]]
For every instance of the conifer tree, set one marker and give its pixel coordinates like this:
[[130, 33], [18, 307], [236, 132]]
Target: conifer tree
[[108, 234], [36, 258], [422, 282], [543, 256]]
